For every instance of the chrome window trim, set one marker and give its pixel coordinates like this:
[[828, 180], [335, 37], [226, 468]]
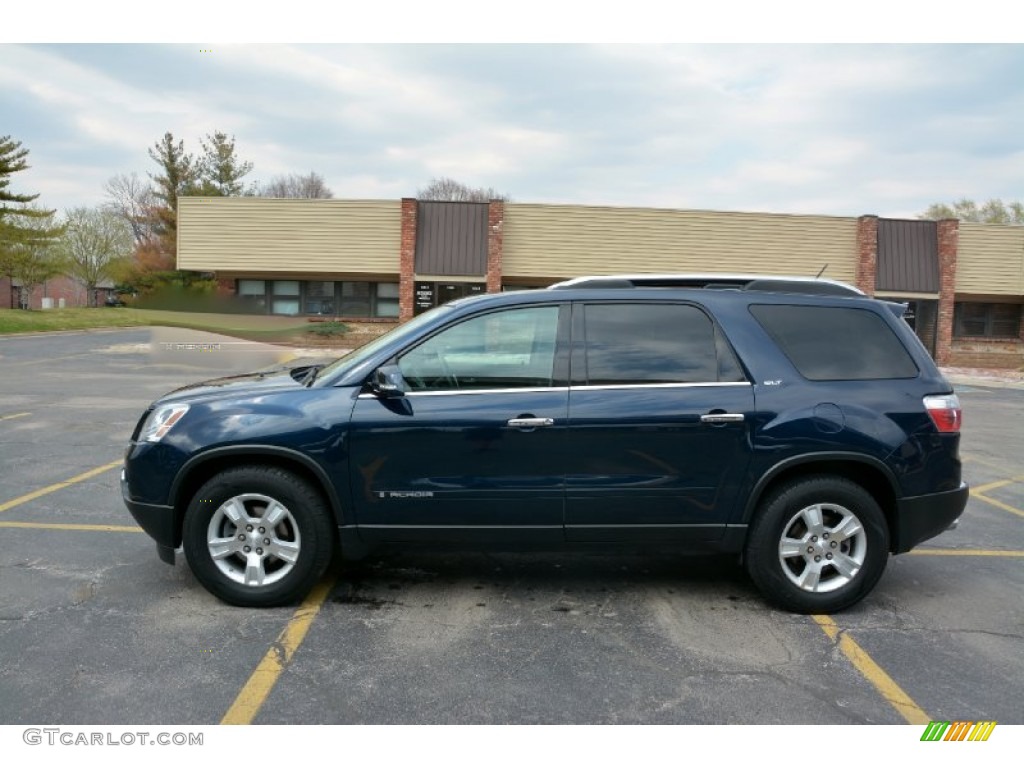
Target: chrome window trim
[[674, 385]]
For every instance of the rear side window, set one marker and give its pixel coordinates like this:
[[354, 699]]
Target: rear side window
[[653, 344], [836, 343]]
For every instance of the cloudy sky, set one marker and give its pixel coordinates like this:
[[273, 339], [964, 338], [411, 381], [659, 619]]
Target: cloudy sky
[[826, 129]]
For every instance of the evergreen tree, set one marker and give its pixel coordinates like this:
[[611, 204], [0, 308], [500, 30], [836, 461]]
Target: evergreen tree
[[177, 177], [22, 226], [219, 169]]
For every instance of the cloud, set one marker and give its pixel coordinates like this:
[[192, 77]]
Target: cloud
[[839, 130]]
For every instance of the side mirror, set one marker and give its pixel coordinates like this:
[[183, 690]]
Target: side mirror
[[388, 381]]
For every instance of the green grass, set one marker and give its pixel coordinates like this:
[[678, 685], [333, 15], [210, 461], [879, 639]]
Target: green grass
[[252, 327]]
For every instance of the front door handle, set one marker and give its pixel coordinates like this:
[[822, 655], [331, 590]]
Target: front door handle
[[531, 422], [721, 418]]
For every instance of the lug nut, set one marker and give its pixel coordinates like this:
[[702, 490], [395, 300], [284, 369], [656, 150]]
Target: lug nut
[[259, 550], [825, 536], [810, 550], [248, 549], [241, 537], [834, 544], [262, 529], [266, 541], [814, 538], [828, 556], [248, 528], [817, 558]]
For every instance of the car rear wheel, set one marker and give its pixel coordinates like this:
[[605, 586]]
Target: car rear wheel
[[817, 545], [258, 536]]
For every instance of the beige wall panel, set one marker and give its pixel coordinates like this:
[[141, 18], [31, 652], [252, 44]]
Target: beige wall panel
[[569, 241], [242, 234], [990, 259]]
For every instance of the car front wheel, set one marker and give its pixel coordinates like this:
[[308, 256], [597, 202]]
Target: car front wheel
[[257, 536], [817, 545]]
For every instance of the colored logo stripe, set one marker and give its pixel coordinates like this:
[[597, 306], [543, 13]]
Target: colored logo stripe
[[959, 730]]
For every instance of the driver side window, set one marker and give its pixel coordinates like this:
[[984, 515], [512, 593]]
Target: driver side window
[[500, 350]]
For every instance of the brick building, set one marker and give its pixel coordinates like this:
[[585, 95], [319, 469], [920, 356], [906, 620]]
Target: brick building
[[389, 259]]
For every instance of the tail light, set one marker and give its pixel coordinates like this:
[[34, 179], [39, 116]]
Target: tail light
[[945, 412]]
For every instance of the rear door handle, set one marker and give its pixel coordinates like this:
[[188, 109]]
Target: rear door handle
[[722, 418], [530, 422]]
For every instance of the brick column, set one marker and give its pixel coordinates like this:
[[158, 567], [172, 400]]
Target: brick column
[[495, 237], [948, 231], [407, 260], [867, 253]]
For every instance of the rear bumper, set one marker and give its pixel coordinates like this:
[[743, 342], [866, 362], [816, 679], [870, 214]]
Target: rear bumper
[[158, 520], [923, 517]]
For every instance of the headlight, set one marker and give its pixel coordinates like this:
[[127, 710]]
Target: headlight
[[161, 420]]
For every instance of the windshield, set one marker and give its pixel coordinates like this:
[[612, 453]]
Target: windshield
[[358, 355]]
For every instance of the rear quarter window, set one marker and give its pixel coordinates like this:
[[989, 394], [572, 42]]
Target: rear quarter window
[[836, 343]]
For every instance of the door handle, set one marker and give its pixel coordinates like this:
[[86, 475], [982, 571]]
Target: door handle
[[721, 418], [530, 422]]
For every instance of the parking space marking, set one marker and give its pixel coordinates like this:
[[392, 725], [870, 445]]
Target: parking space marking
[[874, 674], [14, 416], [997, 503], [997, 484], [969, 552], [58, 486], [250, 699], [71, 527]]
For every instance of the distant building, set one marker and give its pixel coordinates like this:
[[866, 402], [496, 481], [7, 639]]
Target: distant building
[[389, 259]]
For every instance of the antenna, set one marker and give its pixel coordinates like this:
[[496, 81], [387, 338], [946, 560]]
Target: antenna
[[822, 272]]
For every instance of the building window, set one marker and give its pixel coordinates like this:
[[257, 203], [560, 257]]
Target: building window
[[997, 321], [387, 300], [254, 294], [319, 298], [285, 297], [369, 299], [355, 299]]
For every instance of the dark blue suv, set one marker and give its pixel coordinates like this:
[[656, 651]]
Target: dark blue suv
[[796, 423]]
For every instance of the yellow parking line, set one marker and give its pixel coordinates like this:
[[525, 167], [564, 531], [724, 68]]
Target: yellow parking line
[[71, 527], [875, 675], [57, 486], [970, 552], [997, 484], [250, 699], [14, 416], [997, 503]]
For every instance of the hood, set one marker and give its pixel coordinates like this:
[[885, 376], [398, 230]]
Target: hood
[[242, 384]]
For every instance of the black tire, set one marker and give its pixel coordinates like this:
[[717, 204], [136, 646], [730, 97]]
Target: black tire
[[832, 565], [286, 556]]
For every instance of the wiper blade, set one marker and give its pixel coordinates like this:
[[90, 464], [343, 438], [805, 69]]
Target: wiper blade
[[310, 377]]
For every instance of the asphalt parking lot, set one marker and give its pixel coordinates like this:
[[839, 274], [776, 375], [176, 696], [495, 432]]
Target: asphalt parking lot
[[95, 629]]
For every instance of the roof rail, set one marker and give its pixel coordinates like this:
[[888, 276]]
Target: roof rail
[[768, 283]]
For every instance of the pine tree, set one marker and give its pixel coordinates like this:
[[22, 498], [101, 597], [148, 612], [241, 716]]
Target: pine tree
[[24, 229], [219, 170], [177, 177]]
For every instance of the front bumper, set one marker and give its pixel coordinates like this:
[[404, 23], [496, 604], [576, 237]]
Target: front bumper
[[158, 520], [923, 517]]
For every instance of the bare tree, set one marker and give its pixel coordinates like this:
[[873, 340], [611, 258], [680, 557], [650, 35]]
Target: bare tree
[[311, 185], [95, 242], [991, 212], [455, 191], [131, 198]]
